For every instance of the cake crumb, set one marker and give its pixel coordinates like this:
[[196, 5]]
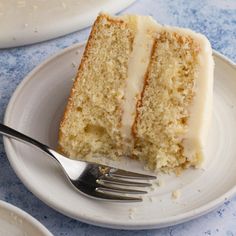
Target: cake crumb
[[131, 216], [73, 64], [132, 212], [176, 194], [152, 188], [150, 199], [145, 168], [104, 169], [178, 171], [159, 183]]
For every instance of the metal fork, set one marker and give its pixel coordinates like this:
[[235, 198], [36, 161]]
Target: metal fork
[[94, 180]]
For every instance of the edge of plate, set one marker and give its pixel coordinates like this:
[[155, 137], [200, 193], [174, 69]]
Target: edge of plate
[[130, 225], [21, 213], [112, 7]]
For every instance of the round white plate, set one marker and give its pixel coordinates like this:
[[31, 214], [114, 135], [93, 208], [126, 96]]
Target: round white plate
[[16, 222], [36, 108], [30, 21]]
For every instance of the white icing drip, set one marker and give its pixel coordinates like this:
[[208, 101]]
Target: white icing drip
[[137, 67]]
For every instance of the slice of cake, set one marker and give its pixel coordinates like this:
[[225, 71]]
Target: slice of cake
[[144, 91]]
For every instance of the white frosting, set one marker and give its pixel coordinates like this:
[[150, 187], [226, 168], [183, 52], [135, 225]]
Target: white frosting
[[137, 67], [201, 110]]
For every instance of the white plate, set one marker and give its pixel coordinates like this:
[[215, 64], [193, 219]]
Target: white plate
[[16, 222], [36, 108], [31, 21]]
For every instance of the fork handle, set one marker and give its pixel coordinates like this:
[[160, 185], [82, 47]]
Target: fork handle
[[12, 133]]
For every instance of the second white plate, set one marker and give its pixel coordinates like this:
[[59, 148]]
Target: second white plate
[[30, 21], [36, 108], [16, 222]]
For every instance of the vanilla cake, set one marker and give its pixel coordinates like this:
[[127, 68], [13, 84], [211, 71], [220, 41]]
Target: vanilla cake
[[143, 91]]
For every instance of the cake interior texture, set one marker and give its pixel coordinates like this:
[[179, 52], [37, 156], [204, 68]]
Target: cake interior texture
[[143, 91], [162, 114]]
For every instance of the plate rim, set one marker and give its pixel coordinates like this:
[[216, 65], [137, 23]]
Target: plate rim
[[25, 215], [112, 7], [132, 225]]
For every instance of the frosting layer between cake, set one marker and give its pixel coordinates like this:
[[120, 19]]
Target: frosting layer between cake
[[137, 67]]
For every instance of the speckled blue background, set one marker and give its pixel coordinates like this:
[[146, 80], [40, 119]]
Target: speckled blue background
[[214, 18]]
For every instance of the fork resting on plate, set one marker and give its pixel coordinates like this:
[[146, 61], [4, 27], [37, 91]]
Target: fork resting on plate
[[94, 180]]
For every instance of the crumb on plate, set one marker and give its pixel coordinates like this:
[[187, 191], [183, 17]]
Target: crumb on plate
[[176, 194]]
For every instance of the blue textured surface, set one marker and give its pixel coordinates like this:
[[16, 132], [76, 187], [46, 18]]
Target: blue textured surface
[[214, 18]]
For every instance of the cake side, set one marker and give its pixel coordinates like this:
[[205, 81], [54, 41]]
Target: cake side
[[92, 119], [70, 105], [165, 125]]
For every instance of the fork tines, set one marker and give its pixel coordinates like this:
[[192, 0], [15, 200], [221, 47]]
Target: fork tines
[[108, 182], [128, 174]]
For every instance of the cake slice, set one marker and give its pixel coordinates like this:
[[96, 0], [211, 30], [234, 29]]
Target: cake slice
[[144, 91]]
